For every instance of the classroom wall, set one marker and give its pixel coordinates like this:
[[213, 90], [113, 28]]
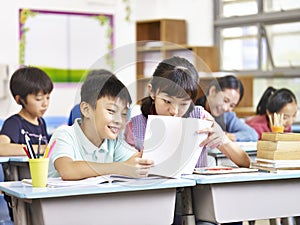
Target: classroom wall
[[64, 96], [198, 15]]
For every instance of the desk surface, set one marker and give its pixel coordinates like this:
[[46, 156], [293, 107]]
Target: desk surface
[[18, 159], [20, 190], [4, 159], [243, 177]]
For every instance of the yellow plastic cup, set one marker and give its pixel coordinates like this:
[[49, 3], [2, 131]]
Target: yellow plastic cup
[[277, 129], [39, 171]]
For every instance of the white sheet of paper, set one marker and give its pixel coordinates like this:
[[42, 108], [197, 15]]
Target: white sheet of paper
[[173, 144]]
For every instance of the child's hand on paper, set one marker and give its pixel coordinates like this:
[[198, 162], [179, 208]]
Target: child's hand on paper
[[215, 136], [136, 166]]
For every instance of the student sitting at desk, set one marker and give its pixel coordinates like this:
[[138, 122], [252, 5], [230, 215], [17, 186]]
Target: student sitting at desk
[[222, 96], [173, 90], [31, 88], [91, 146], [280, 101]]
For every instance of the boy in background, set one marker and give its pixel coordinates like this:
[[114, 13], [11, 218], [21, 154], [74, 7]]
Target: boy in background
[[31, 88], [91, 146]]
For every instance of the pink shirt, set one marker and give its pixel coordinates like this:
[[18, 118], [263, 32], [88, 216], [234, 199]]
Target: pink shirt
[[261, 124]]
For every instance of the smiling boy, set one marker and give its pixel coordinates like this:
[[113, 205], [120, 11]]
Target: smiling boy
[[92, 146]]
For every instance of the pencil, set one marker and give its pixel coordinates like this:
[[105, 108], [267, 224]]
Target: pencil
[[26, 151], [47, 154], [29, 146], [271, 120], [39, 146]]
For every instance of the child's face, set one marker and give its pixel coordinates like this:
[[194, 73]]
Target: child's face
[[289, 112], [37, 104], [110, 117], [166, 105], [222, 101]]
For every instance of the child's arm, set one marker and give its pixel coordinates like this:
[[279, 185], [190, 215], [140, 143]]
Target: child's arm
[[235, 153], [135, 166], [10, 149], [218, 139]]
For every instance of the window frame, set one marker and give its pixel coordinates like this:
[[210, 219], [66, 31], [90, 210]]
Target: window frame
[[260, 20]]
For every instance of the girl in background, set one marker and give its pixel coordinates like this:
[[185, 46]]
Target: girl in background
[[222, 96], [280, 101]]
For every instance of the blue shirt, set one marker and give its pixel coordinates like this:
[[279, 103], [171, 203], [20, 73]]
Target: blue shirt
[[241, 130], [13, 125], [71, 142]]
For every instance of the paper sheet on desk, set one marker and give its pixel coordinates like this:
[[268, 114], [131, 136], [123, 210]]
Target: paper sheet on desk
[[57, 182], [173, 144]]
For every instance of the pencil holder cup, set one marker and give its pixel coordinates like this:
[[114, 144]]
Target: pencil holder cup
[[39, 171], [277, 129]]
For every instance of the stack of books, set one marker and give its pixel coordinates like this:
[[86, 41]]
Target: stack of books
[[278, 151]]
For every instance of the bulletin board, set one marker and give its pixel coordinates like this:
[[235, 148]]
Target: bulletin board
[[64, 44]]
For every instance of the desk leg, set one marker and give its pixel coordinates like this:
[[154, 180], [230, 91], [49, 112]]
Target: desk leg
[[19, 211], [10, 172], [188, 217], [283, 221], [288, 221]]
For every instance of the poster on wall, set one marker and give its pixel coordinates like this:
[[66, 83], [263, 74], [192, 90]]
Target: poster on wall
[[64, 44]]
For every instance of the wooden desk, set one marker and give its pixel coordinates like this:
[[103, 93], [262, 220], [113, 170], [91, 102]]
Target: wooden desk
[[144, 202], [246, 197]]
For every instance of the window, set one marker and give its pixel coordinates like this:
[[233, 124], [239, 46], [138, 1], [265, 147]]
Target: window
[[258, 36]]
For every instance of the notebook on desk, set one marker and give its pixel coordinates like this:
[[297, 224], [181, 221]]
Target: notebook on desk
[[173, 144]]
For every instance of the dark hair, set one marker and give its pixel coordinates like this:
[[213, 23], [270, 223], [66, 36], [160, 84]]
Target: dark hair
[[97, 72], [175, 76], [30, 80], [227, 82], [274, 100], [103, 85]]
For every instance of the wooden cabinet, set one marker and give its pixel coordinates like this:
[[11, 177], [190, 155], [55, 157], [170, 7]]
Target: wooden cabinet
[[164, 38], [205, 59], [169, 30]]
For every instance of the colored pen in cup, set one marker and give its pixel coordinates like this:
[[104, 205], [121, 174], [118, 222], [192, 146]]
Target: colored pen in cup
[[49, 150], [28, 144], [26, 151], [39, 146]]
